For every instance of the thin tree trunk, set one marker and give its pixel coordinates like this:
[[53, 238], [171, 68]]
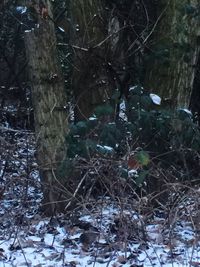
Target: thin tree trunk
[[49, 100], [170, 67]]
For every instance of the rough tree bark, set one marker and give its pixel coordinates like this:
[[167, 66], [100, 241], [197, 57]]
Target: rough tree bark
[[49, 100], [174, 50], [91, 82]]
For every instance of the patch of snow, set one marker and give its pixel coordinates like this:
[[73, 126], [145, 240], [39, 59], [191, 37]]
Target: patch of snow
[[122, 111], [49, 250], [132, 88], [86, 218], [21, 9], [106, 148], [132, 173], [93, 118], [186, 110], [156, 99], [61, 29]]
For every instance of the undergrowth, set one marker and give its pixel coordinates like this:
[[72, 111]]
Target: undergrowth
[[139, 152]]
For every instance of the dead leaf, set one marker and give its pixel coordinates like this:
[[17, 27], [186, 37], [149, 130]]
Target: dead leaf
[[194, 263], [115, 264], [73, 263], [53, 256], [122, 259]]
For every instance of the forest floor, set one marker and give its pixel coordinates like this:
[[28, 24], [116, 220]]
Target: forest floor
[[107, 234]]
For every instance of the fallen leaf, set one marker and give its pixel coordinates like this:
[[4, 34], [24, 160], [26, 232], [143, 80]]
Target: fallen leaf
[[122, 259], [194, 263]]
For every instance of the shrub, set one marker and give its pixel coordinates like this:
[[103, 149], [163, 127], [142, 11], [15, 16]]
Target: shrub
[[154, 136]]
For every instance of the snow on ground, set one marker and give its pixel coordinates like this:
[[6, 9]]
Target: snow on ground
[[98, 239], [106, 234]]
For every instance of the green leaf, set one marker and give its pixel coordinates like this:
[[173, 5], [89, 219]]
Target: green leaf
[[123, 172], [143, 158], [116, 95], [104, 110], [137, 90], [141, 177], [146, 101], [110, 135], [80, 128], [90, 144], [134, 102]]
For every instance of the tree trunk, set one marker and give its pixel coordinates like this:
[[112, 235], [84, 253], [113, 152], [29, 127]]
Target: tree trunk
[[49, 102], [170, 67], [92, 85]]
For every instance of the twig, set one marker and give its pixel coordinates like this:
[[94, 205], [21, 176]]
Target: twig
[[76, 191], [13, 130], [23, 252]]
